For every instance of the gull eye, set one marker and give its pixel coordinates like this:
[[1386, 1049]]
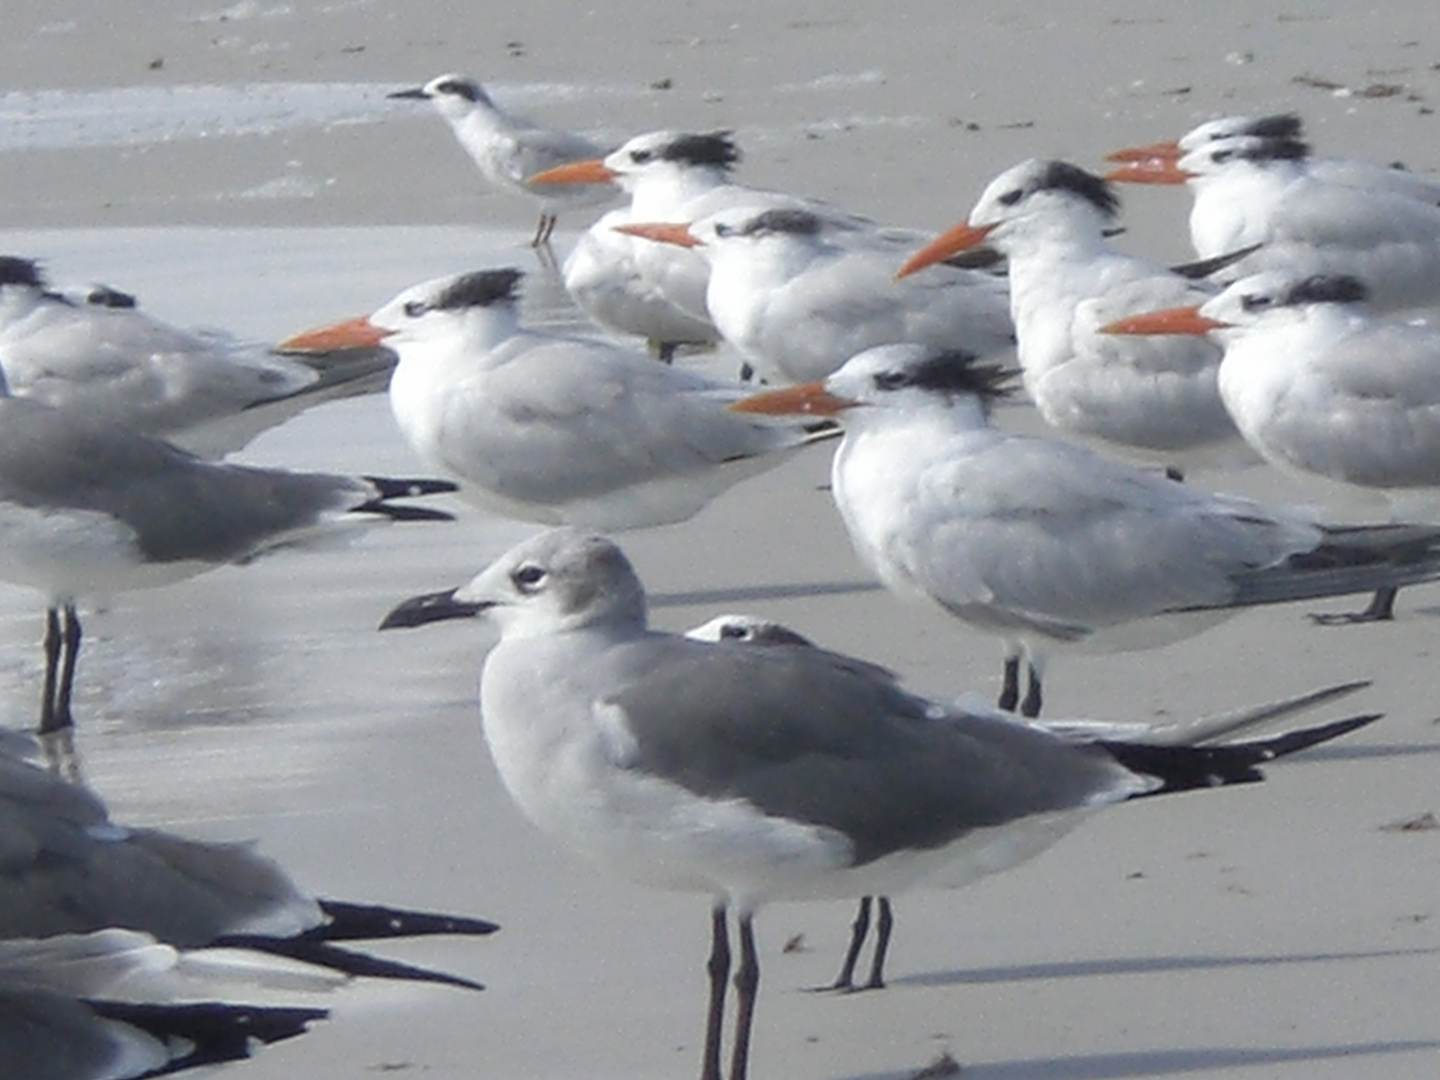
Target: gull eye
[[1010, 198], [721, 229], [1222, 156], [1255, 302], [527, 578], [640, 157], [415, 308], [732, 631]]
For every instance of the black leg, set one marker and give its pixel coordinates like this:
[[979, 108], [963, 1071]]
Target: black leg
[[69, 658], [883, 926], [48, 721], [858, 929], [719, 971], [1381, 609], [1010, 689], [665, 351], [543, 230], [747, 983], [1031, 706]]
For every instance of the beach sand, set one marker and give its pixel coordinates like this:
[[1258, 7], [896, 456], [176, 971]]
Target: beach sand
[[1272, 931]]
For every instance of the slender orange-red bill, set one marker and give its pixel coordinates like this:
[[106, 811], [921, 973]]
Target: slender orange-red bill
[[356, 333], [1154, 170], [952, 241], [1176, 320], [807, 399], [1169, 149], [666, 232], [592, 171]]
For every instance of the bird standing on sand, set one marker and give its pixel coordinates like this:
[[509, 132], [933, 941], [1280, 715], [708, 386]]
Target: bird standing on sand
[[509, 150]]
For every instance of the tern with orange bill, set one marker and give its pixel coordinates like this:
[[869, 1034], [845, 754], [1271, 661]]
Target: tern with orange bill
[[1253, 191], [556, 429], [1346, 172], [798, 292], [1154, 399], [1321, 386], [1048, 545]]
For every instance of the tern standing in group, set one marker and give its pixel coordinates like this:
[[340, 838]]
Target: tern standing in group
[[509, 150]]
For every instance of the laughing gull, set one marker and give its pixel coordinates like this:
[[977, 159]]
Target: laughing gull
[[1198, 731], [94, 351], [1045, 544], [90, 508], [67, 868], [509, 150], [556, 429], [759, 773]]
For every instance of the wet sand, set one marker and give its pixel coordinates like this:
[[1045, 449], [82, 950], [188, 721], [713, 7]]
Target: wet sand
[[1271, 931]]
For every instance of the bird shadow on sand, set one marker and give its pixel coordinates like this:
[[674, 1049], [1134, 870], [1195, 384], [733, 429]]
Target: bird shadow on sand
[[1178, 1062], [744, 594], [1138, 965]]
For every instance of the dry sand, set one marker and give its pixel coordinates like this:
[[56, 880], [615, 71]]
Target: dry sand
[[1273, 931]]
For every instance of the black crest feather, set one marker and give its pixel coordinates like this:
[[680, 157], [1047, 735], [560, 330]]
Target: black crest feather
[[1062, 176], [1267, 150], [1279, 126], [953, 372], [479, 289], [15, 270], [468, 89], [783, 220], [715, 148], [1329, 289]]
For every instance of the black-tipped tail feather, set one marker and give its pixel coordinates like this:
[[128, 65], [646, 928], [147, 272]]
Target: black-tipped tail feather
[[1184, 768]]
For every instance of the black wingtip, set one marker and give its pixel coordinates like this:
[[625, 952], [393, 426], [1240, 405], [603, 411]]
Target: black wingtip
[[349, 961], [393, 487], [216, 1032], [428, 608], [347, 921]]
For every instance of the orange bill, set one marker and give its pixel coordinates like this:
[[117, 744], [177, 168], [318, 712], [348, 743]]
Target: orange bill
[[807, 399], [951, 242], [356, 333], [1169, 149], [664, 232], [1153, 170], [592, 171], [1177, 320]]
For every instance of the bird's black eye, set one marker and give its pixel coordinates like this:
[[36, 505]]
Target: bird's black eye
[[528, 577], [891, 380], [640, 157], [721, 229], [1010, 198], [415, 308], [1222, 156], [1256, 302], [732, 631]]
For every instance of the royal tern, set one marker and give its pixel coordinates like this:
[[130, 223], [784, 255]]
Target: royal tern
[[556, 429], [1347, 172], [759, 773], [1046, 544], [97, 353], [1319, 385], [91, 508], [658, 290], [1252, 191], [798, 293], [1049, 218], [509, 150], [1201, 731]]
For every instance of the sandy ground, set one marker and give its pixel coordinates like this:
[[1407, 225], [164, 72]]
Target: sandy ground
[[1274, 931]]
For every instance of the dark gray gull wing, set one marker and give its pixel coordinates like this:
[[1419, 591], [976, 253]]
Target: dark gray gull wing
[[801, 734]]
